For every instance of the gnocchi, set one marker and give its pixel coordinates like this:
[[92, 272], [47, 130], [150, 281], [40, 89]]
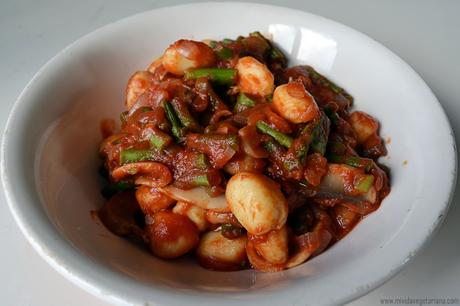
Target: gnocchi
[[294, 103], [152, 200], [187, 54], [219, 253], [254, 77], [257, 202], [138, 84], [273, 246], [225, 152], [364, 125], [170, 235]]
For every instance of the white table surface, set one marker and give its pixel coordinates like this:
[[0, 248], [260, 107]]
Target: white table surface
[[424, 33]]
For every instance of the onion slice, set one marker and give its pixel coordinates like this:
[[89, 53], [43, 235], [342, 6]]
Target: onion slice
[[197, 196], [334, 183]]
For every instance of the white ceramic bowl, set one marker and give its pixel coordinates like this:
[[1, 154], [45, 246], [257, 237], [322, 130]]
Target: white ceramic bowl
[[49, 160]]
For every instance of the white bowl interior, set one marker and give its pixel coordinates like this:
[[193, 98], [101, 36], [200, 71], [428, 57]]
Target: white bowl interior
[[53, 138]]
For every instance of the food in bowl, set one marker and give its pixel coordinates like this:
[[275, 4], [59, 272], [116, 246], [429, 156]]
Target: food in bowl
[[226, 153]]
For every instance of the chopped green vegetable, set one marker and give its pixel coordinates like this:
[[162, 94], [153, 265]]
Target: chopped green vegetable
[[243, 102], [282, 138], [227, 41], [172, 117], [201, 180], [337, 148], [320, 135], [288, 162], [365, 183], [359, 162], [354, 161], [137, 155], [220, 76], [159, 140], [322, 80], [224, 53], [276, 54], [333, 116], [318, 130], [184, 116], [201, 161], [301, 147], [269, 98]]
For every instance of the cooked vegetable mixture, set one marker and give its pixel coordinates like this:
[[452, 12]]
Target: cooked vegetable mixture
[[227, 154]]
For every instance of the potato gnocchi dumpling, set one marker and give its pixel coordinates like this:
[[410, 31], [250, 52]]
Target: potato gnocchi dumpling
[[273, 246], [226, 154], [170, 235], [254, 78], [220, 253], [187, 54], [257, 202], [294, 103]]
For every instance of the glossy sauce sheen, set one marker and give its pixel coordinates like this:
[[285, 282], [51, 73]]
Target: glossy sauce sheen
[[227, 153]]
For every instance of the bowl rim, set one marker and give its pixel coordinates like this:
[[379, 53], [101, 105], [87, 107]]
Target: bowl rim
[[60, 262]]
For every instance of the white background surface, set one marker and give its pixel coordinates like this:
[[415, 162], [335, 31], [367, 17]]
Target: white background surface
[[426, 34]]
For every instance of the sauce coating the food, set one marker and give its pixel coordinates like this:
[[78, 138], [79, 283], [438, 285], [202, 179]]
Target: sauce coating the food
[[227, 154]]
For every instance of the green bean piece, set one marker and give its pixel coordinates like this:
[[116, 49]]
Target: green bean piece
[[201, 180], [243, 102], [159, 140], [319, 132], [227, 41], [320, 136], [359, 162], [172, 117], [365, 184], [276, 54], [282, 138], [224, 53], [334, 117], [213, 44], [137, 155], [301, 145], [201, 162], [354, 161], [278, 154], [184, 116], [220, 76], [322, 80]]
